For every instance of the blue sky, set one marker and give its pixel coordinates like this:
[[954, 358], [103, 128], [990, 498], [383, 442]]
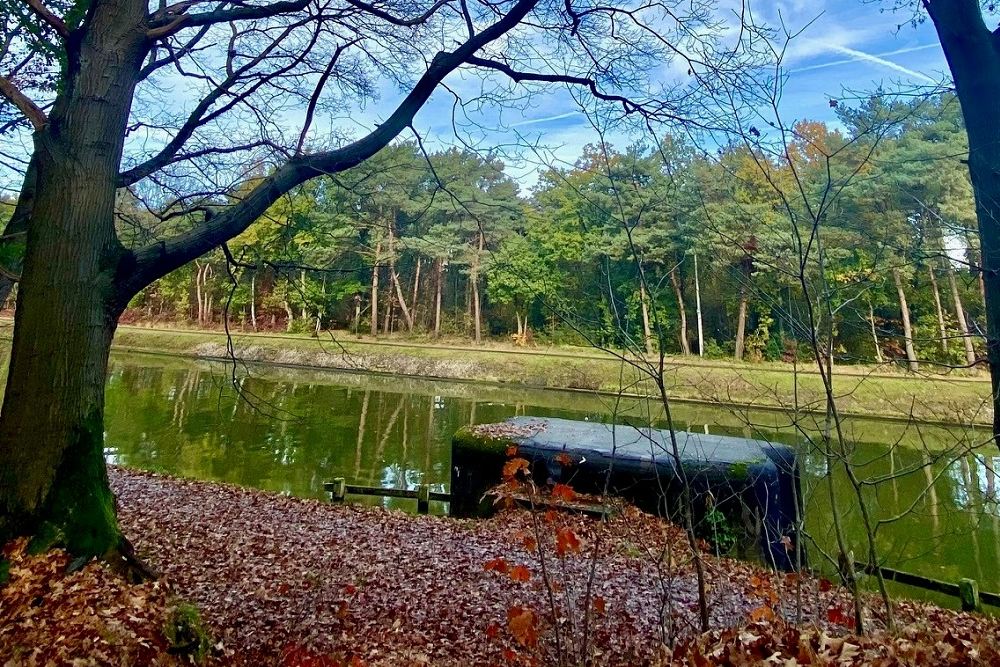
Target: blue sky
[[846, 47]]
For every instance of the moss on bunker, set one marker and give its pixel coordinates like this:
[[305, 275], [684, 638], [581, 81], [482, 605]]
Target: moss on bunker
[[470, 439]]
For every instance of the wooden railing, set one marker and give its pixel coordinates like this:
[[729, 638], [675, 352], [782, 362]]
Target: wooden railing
[[339, 489]]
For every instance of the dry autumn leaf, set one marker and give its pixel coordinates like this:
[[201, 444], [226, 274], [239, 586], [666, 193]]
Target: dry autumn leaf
[[567, 542], [523, 626], [497, 565], [514, 466], [563, 492], [563, 459]]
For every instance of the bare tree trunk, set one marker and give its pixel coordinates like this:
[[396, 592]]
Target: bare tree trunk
[[942, 328], [302, 289], [387, 319], [970, 350], [682, 333], [400, 299], [741, 324], [871, 320], [697, 297], [911, 355], [416, 290], [437, 298], [197, 292], [253, 300], [647, 334], [476, 304], [289, 315], [374, 304]]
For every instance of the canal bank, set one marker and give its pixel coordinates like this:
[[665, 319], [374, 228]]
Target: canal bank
[[958, 398]]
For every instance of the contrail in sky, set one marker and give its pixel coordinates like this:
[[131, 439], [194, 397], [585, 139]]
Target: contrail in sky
[[876, 59], [544, 120]]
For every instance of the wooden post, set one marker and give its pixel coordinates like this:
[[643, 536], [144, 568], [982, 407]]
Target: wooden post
[[423, 499], [968, 592], [339, 489]]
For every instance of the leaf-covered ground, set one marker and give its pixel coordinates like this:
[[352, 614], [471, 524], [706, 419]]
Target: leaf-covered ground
[[283, 581]]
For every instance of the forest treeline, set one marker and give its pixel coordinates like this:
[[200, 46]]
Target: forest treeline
[[647, 246]]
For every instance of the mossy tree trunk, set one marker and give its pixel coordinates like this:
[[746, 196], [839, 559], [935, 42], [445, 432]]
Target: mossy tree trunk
[[53, 481]]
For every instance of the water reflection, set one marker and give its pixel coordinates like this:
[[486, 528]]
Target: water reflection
[[936, 499]]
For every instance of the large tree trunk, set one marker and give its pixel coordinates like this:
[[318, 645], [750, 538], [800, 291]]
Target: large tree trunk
[[904, 309], [970, 350], [973, 54], [683, 324], [53, 481]]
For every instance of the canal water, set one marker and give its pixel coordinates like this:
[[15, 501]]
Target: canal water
[[289, 430]]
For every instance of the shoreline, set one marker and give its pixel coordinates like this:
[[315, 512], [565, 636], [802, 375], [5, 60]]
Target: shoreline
[[939, 401]]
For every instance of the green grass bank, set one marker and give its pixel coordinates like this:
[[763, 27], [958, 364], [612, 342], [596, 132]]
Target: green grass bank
[[876, 391]]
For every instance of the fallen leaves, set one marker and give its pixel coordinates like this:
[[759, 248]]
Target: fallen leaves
[[282, 581], [51, 617]]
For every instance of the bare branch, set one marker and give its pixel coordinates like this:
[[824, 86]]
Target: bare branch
[[31, 111], [172, 19], [44, 13], [373, 9], [149, 263]]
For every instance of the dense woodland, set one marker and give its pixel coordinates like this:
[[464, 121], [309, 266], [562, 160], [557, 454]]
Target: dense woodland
[[448, 244]]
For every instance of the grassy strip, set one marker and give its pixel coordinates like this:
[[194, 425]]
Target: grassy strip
[[862, 391], [929, 398]]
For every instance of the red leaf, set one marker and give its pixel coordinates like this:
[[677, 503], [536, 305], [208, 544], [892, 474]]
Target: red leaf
[[762, 614], [514, 466], [837, 616], [497, 565], [599, 605], [567, 542], [492, 631], [563, 459], [522, 625], [520, 573], [824, 585], [563, 492], [511, 451]]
